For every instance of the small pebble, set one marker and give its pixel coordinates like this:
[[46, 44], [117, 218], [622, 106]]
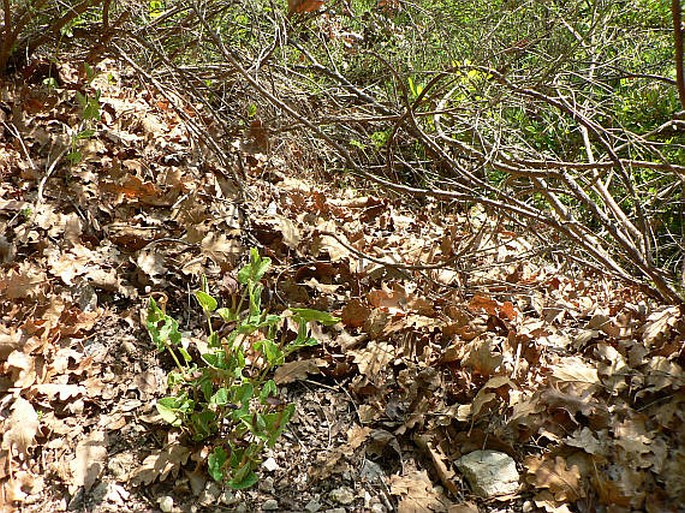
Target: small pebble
[[312, 506], [228, 498], [336, 510], [267, 484], [213, 488], [166, 504], [378, 508], [210, 495], [342, 495], [270, 505], [367, 499], [270, 464], [240, 508]]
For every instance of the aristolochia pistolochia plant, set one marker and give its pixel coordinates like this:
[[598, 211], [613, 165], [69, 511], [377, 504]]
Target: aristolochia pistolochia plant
[[225, 397]]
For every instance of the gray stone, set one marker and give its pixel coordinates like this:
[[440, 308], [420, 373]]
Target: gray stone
[[312, 506], [371, 471], [267, 484], [336, 510], [490, 473], [228, 498], [270, 505], [210, 495], [342, 495]]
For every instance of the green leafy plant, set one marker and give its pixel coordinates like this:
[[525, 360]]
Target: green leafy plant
[[224, 396], [90, 114]]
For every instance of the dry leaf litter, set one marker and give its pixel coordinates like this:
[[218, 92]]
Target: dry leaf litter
[[455, 349]]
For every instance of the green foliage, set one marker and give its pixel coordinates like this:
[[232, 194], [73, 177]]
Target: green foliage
[[90, 115], [224, 396]]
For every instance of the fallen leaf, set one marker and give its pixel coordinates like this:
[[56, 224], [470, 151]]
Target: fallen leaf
[[355, 313], [291, 234], [574, 369], [302, 6], [466, 507], [416, 493], [563, 483], [225, 252], [374, 358], [659, 323], [152, 264], [89, 460], [298, 370], [161, 464], [21, 427], [10, 339]]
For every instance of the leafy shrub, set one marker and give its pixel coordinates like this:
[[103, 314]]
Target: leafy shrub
[[224, 396]]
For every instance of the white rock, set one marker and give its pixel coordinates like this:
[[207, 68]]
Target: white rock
[[166, 504], [490, 473], [270, 464]]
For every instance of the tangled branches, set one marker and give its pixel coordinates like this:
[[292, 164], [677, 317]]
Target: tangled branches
[[539, 112]]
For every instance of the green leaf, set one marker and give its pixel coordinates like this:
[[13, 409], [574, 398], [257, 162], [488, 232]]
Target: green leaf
[[171, 410], [256, 303], [215, 463], [85, 134], [220, 398], [244, 478], [213, 340], [203, 424], [244, 393], [90, 72], [215, 359], [255, 270], [269, 389], [91, 109], [276, 423], [207, 302], [227, 314], [162, 328], [169, 331], [259, 423], [82, 99], [308, 315], [206, 385], [74, 157], [184, 353], [273, 353]]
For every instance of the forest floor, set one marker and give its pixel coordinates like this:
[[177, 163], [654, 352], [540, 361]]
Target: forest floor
[[578, 378]]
